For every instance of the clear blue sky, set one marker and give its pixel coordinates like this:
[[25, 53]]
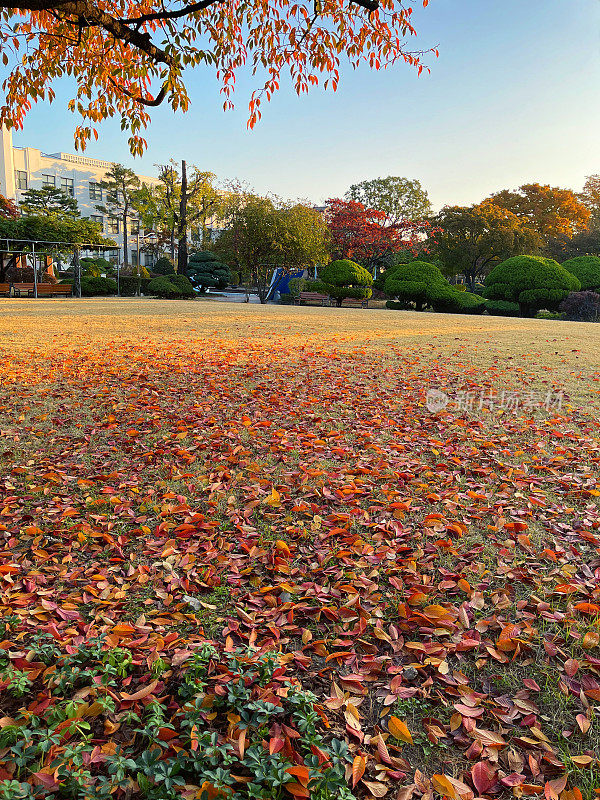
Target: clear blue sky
[[513, 97]]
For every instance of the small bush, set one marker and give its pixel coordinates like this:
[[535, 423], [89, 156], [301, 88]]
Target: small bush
[[182, 282], [163, 266], [587, 271], [502, 308], [173, 286], [96, 287], [549, 315], [581, 306]]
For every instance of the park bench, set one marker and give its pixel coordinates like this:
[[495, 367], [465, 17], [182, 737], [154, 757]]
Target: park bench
[[314, 297], [55, 290], [5, 289], [43, 289], [23, 289], [353, 301]]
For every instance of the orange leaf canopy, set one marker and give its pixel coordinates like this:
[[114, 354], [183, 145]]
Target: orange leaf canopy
[[129, 55]]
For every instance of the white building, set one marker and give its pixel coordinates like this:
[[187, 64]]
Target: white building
[[24, 168]]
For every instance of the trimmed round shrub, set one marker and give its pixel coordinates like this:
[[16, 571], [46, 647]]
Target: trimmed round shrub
[[531, 281], [207, 272], [162, 287], [587, 271], [96, 287], [170, 287], [450, 301], [416, 282], [163, 266], [581, 306], [182, 282], [345, 278], [501, 308]]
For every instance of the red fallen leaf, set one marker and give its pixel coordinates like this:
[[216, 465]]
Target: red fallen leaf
[[483, 775], [571, 666], [46, 780], [297, 790], [139, 695], [301, 772], [531, 684], [166, 734], [553, 789], [276, 744], [587, 608], [514, 779], [358, 769]]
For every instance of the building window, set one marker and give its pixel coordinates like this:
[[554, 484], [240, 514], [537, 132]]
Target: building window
[[135, 227], [98, 219], [134, 258], [21, 179], [95, 191], [68, 186], [113, 225], [48, 180]]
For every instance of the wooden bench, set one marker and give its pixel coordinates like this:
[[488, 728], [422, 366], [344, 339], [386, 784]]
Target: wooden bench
[[5, 289], [44, 289], [55, 290], [314, 297], [23, 289], [353, 301]]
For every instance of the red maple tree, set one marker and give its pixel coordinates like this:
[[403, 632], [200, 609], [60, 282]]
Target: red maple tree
[[365, 234]]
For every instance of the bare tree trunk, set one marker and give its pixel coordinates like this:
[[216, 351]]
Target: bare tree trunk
[[182, 254]]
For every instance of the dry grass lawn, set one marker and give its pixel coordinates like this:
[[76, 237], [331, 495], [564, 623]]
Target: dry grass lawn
[[185, 481]]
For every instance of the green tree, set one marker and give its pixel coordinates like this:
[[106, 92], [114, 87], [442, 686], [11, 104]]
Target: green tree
[[176, 216], [587, 271], [49, 200], [398, 198], [163, 266], [205, 271], [344, 278], [262, 234], [470, 240], [122, 188], [531, 281]]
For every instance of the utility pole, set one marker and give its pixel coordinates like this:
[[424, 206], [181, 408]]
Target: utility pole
[[35, 280]]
